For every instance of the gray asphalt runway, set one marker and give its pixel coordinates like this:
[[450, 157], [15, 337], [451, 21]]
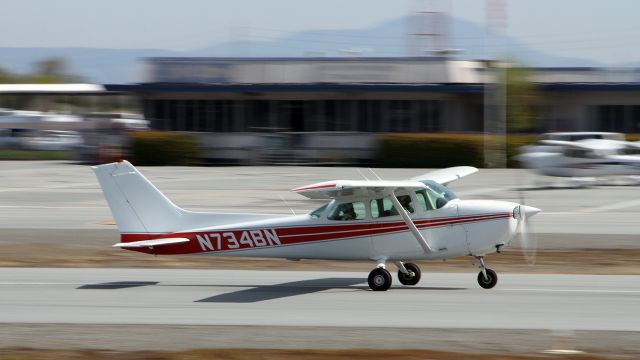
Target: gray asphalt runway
[[315, 299], [55, 195]]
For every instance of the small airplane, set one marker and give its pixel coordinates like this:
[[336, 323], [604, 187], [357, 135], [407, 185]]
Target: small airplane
[[375, 220], [582, 154]]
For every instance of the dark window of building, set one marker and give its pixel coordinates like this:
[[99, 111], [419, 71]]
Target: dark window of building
[[344, 116], [235, 115], [615, 118], [218, 114], [280, 118], [296, 116], [363, 116], [260, 115], [211, 116], [313, 116], [173, 114], [158, 121], [159, 106], [618, 118], [189, 114], [375, 116], [399, 116], [429, 116], [202, 115], [635, 119], [330, 115]]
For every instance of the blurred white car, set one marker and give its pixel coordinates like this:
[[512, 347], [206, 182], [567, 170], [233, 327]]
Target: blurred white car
[[125, 121], [53, 140]]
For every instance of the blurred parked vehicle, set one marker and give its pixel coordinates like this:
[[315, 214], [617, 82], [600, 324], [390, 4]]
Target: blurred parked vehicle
[[22, 116], [53, 140], [124, 121], [582, 154], [14, 138]]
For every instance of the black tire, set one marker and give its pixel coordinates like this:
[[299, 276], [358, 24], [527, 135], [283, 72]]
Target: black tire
[[379, 279], [490, 281], [410, 279]]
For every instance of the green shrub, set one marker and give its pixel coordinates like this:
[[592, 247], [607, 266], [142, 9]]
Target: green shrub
[[36, 155], [442, 150], [430, 150], [164, 148]]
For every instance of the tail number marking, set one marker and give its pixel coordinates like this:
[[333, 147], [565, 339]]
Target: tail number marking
[[231, 240]]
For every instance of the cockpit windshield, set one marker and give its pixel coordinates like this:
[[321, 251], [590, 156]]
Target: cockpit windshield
[[317, 213], [437, 195]]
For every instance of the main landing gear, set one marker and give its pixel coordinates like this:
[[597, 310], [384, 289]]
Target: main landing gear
[[487, 278], [409, 274], [380, 278]]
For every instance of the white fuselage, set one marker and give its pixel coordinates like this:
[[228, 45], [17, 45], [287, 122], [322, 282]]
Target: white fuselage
[[459, 228]]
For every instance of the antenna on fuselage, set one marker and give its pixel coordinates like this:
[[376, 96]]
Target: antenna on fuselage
[[287, 204], [374, 173]]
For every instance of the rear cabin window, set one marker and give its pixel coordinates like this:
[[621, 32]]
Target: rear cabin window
[[384, 207], [348, 211]]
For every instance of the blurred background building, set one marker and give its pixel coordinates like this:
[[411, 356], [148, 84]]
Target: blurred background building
[[258, 108], [321, 109], [312, 108]]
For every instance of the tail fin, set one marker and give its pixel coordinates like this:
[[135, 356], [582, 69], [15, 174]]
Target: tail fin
[[137, 205]]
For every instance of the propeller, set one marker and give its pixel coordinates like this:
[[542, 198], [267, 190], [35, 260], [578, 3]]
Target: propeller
[[526, 237]]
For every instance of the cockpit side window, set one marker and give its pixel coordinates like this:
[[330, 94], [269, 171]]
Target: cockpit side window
[[424, 201], [348, 211], [384, 207]]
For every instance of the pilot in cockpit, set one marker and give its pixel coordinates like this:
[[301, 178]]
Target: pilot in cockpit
[[344, 212], [349, 213]]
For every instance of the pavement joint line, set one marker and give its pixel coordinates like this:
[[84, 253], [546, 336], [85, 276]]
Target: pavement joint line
[[614, 206], [276, 286], [579, 290]]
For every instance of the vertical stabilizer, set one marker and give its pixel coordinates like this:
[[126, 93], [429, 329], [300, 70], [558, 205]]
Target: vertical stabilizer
[[137, 206]]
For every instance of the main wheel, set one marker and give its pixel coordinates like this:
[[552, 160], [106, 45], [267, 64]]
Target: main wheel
[[490, 281], [379, 279], [413, 277]]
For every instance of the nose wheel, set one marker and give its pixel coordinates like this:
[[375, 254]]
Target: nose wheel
[[408, 273], [487, 278]]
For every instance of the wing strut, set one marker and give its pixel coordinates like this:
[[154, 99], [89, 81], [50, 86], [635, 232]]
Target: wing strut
[[407, 220]]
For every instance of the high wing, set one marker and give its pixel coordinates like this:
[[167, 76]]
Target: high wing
[[448, 175], [340, 188]]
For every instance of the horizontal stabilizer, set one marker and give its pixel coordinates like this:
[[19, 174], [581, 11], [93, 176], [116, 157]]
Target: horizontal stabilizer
[[149, 243]]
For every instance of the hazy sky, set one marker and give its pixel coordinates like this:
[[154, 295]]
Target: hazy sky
[[605, 31]]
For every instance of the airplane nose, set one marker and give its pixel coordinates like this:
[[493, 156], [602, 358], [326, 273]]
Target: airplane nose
[[530, 210]]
